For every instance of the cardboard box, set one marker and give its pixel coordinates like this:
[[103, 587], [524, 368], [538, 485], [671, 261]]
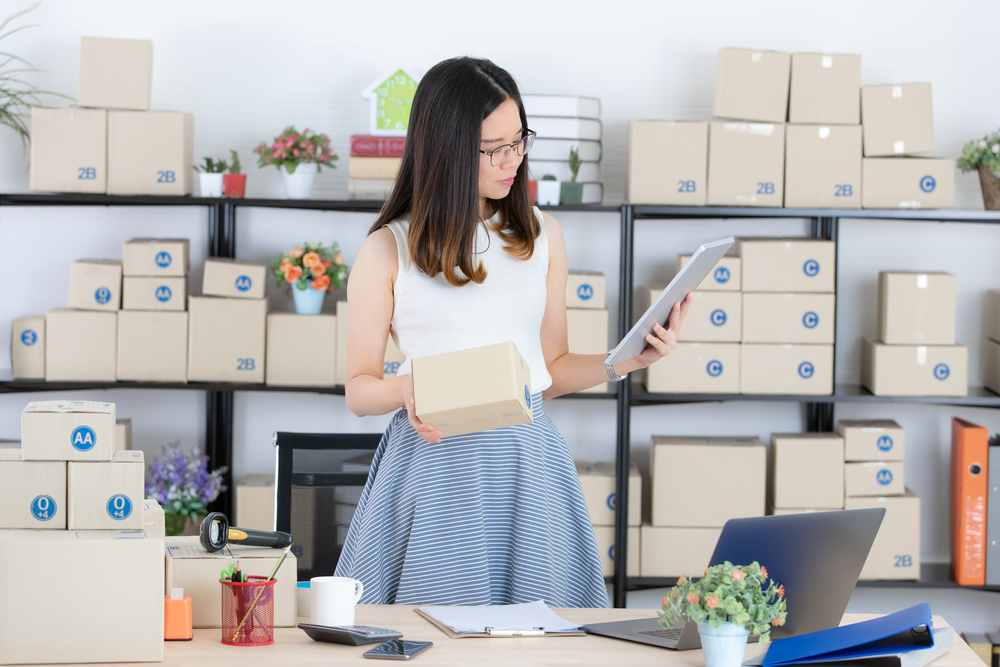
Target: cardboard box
[[153, 519], [69, 150], [825, 89], [907, 183], [473, 390], [991, 365], [746, 164], [68, 431], [725, 277], [587, 333], [156, 257], [786, 369], [752, 85], [195, 570], [896, 551], [586, 289], [154, 293], [696, 368], [823, 166], [113, 614], [672, 552], [897, 119], [95, 284], [873, 478], [738, 466], [807, 470], [226, 339], [229, 278], [390, 364], [788, 265], [32, 493], [115, 73], [788, 318], [598, 483], [123, 434], [152, 346], [714, 317], [916, 308], [291, 360], [27, 348], [81, 345], [255, 502], [872, 440], [106, 495], [667, 163], [150, 153], [991, 315], [914, 370], [605, 536]]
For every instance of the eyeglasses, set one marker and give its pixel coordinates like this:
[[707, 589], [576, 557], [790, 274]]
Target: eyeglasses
[[499, 155]]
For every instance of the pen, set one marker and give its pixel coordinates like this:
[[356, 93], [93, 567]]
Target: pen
[[260, 590]]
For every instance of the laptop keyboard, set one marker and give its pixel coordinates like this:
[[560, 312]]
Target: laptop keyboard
[[668, 633]]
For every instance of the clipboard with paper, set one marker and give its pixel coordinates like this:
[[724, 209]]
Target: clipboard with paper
[[533, 619]]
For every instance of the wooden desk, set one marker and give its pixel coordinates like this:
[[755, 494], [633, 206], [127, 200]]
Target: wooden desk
[[292, 646]]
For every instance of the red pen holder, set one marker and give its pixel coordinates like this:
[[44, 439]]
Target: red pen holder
[[248, 612]]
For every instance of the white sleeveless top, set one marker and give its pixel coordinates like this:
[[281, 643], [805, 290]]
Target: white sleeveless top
[[430, 316]]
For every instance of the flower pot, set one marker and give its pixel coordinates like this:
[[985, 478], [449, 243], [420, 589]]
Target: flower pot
[[571, 194], [299, 183], [308, 301], [533, 191], [991, 188], [179, 524], [211, 185], [235, 185], [723, 646], [548, 193]]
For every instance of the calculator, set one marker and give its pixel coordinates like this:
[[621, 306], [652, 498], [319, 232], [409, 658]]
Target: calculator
[[352, 635]]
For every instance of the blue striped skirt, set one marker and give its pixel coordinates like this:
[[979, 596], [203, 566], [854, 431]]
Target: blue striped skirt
[[487, 518]]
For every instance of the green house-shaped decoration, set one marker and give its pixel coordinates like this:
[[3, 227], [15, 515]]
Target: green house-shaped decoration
[[391, 97]]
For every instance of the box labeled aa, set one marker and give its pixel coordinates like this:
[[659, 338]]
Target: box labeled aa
[[156, 257], [586, 289], [226, 339], [598, 483], [916, 308], [672, 552], [746, 164], [255, 502], [713, 317], [150, 153], [872, 440], [68, 431], [291, 361], [908, 183], [752, 85], [27, 348], [81, 345], [823, 166], [32, 493], [788, 318], [106, 495], [874, 478], [115, 73], [605, 537], [696, 368], [725, 277], [786, 369], [808, 471], [587, 333], [156, 293], [895, 554], [95, 284], [478, 389], [787, 265], [825, 88], [737, 464], [152, 346], [667, 163], [914, 370], [229, 278], [69, 150], [897, 119]]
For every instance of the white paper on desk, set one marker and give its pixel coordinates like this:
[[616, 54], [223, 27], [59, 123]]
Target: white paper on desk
[[526, 616]]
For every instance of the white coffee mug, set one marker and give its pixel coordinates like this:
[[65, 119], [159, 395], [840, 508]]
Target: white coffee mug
[[333, 599]]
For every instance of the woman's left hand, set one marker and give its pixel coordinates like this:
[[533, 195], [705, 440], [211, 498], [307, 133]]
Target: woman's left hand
[[663, 340]]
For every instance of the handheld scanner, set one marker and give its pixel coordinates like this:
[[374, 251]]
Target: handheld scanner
[[216, 533]]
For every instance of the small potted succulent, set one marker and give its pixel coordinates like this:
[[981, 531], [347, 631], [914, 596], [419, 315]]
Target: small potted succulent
[[210, 177], [183, 485], [310, 271], [983, 155], [728, 603], [571, 193], [235, 182], [292, 148], [548, 191]]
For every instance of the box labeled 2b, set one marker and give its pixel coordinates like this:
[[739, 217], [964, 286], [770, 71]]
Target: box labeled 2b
[[226, 339], [150, 152]]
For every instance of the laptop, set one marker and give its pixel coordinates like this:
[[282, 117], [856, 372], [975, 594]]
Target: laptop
[[817, 557]]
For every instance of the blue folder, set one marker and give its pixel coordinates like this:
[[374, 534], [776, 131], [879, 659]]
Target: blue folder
[[906, 630]]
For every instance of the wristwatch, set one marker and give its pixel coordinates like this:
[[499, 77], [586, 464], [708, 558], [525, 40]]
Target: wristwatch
[[611, 373]]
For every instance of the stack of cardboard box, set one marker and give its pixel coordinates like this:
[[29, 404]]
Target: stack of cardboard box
[[807, 473], [587, 317], [991, 348], [598, 483]]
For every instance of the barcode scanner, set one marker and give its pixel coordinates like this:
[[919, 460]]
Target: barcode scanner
[[215, 534]]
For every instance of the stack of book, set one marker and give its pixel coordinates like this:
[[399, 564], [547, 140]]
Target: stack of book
[[373, 167], [565, 122]]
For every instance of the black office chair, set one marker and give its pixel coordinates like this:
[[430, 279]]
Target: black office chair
[[320, 477]]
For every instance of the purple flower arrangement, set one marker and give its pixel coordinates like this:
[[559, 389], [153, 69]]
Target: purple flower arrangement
[[181, 483]]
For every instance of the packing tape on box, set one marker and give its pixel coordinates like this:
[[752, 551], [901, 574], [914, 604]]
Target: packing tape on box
[[824, 132], [763, 129], [897, 92], [922, 281], [898, 146], [922, 355], [827, 61]]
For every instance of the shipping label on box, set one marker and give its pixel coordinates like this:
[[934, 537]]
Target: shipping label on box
[[874, 478], [825, 89], [598, 483], [605, 537], [667, 163], [786, 369], [712, 317], [916, 308], [32, 493], [808, 470], [80, 345], [156, 293], [907, 183], [115, 73], [823, 166], [586, 289], [746, 164], [897, 119], [752, 85], [106, 495], [229, 278], [895, 554], [156, 257], [587, 333], [68, 431], [150, 153], [788, 318], [69, 150], [672, 552], [724, 278], [123, 434], [788, 265], [27, 348], [290, 363], [95, 284], [478, 389], [914, 370], [152, 346], [226, 339], [255, 502], [696, 368], [872, 440]]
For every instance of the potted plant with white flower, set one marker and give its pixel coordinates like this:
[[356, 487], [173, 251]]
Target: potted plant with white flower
[[983, 155], [548, 191]]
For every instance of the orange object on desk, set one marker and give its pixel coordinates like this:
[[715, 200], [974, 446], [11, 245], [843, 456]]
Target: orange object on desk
[[177, 619]]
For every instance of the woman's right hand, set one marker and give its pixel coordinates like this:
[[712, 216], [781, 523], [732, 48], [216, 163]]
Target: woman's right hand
[[425, 431]]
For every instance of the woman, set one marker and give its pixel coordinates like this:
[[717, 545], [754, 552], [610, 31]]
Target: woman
[[458, 258]]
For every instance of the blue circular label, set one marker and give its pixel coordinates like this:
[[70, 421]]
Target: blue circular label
[[102, 295], [527, 396], [718, 317], [884, 477], [43, 507], [119, 507], [29, 337], [163, 293], [884, 443], [806, 369], [83, 438], [163, 259], [611, 501], [611, 552], [721, 275], [927, 183], [811, 267], [243, 283], [941, 371], [714, 368], [810, 320], [584, 292]]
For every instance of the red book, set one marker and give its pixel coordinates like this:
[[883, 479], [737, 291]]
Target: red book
[[366, 145]]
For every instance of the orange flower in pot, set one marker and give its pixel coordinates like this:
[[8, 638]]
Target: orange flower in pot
[[310, 271]]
